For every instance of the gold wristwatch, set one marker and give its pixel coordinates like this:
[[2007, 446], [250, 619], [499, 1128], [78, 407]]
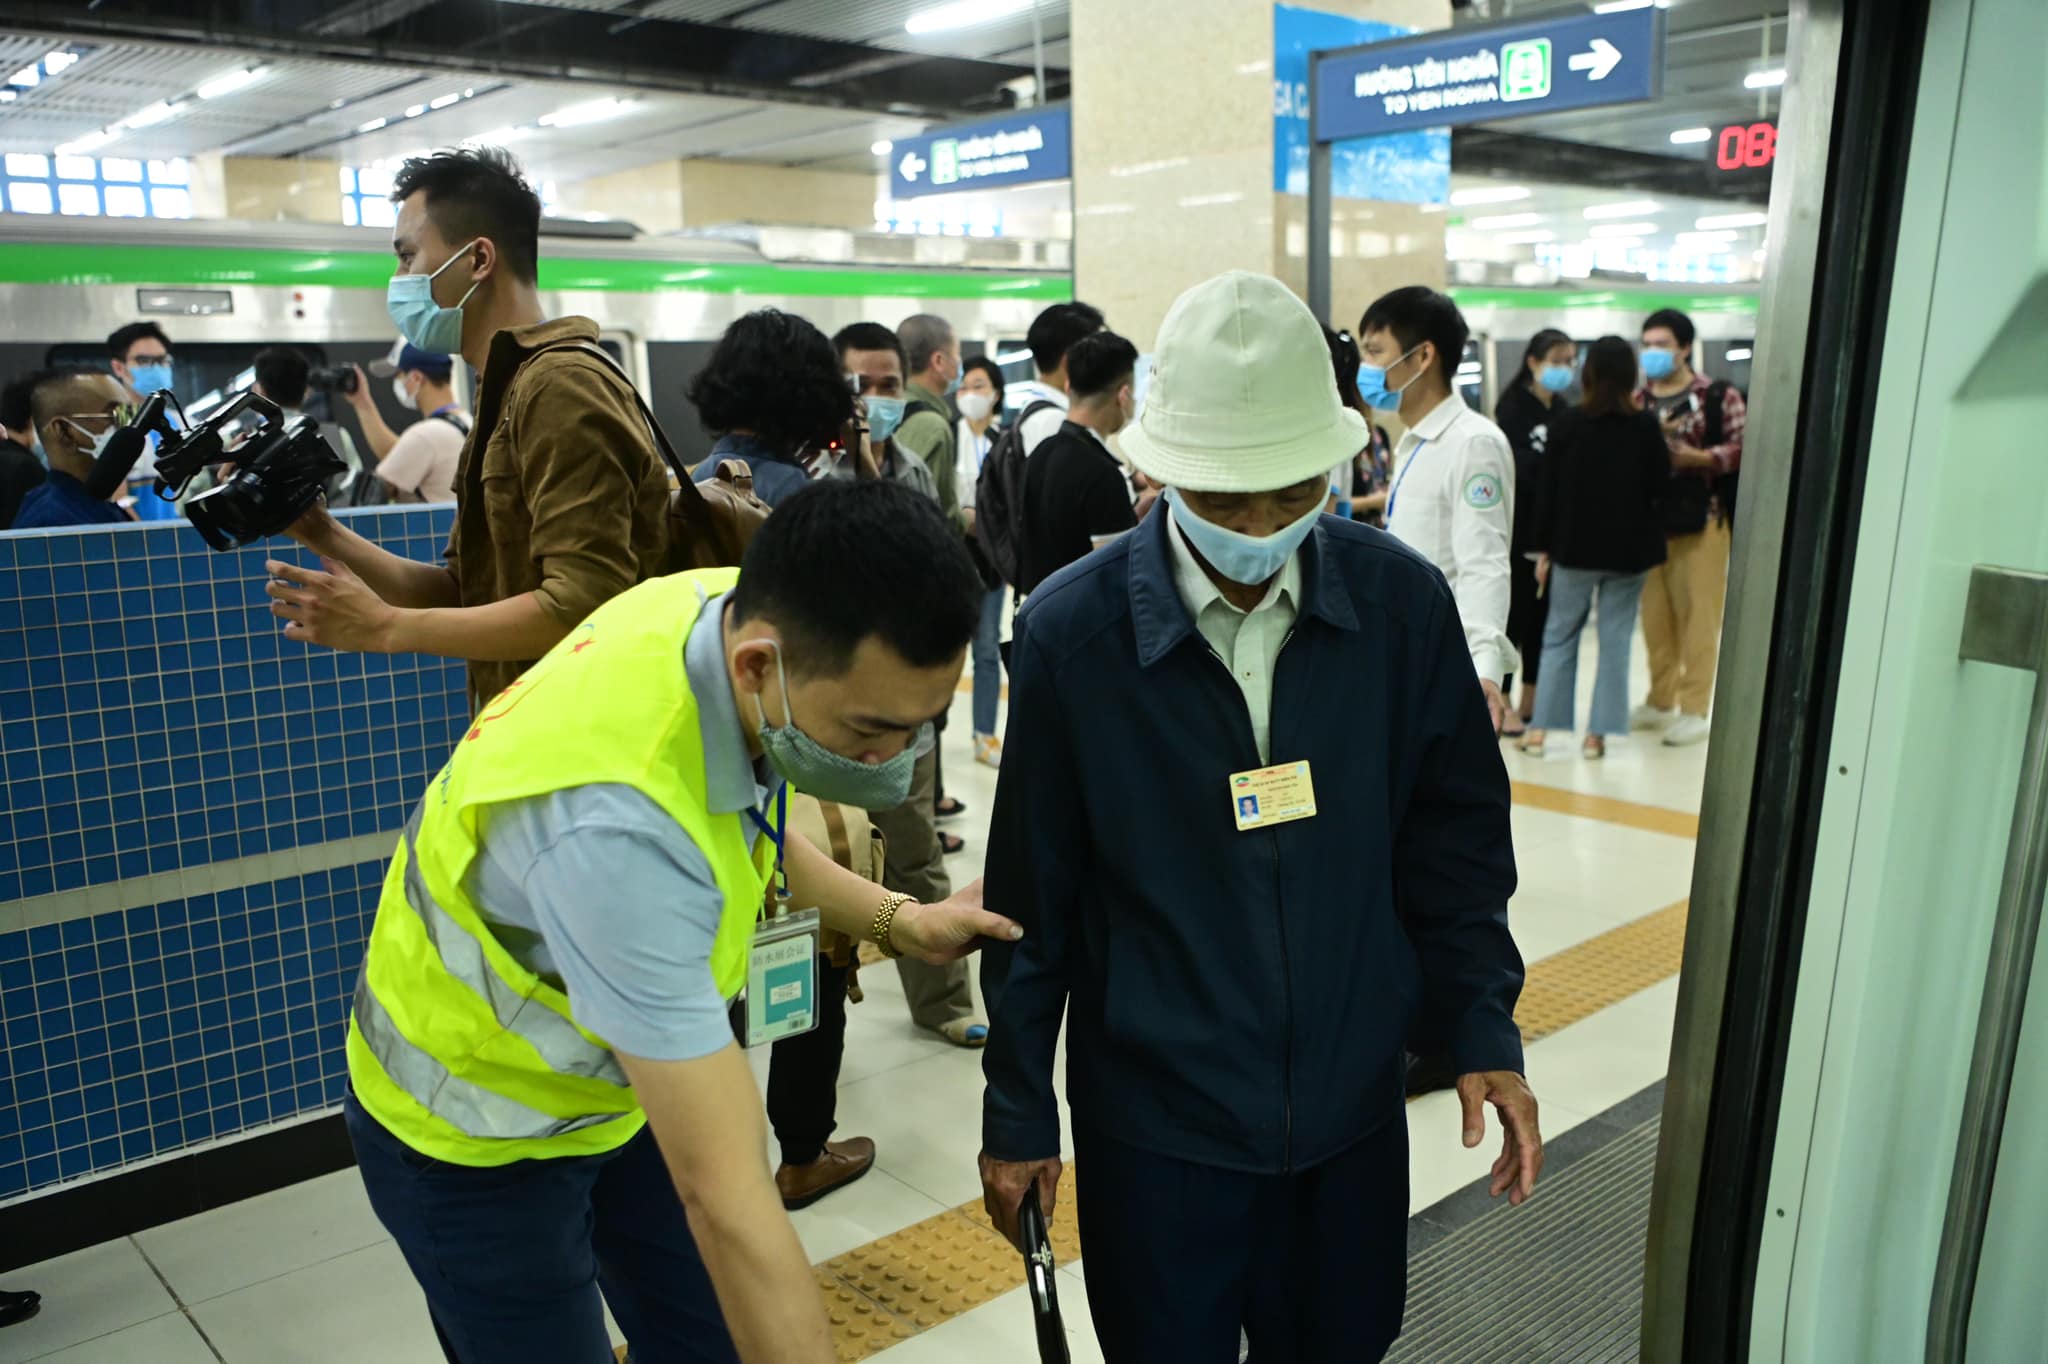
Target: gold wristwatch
[[885, 922]]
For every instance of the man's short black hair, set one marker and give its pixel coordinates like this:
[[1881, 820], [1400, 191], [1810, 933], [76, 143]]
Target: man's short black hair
[[869, 336], [1056, 329], [478, 192], [1415, 315], [774, 374], [1679, 324], [123, 339], [282, 372], [845, 559], [16, 405], [1099, 363], [924, 335]]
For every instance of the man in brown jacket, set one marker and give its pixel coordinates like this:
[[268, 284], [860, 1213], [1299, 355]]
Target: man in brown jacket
[[561, 496]]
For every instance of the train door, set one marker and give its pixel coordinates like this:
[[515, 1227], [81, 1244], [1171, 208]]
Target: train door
[[1855, 1148]]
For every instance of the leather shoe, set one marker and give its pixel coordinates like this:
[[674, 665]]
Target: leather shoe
[[842, 1163], [18, 1307]]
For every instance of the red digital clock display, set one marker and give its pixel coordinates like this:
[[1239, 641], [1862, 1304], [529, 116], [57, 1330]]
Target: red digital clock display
[[1746, 146]]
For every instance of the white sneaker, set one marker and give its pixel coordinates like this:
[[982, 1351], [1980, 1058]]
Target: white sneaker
[[1650, 719], [1686, 730], [988, 750]]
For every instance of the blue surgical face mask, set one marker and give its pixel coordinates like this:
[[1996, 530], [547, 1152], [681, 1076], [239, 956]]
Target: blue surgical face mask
[[1247, 559], [1556, 378], [1658, 362], [410, 301], [953, 384], [884, 416], [817, 771], [1372, 384], [148, 379]]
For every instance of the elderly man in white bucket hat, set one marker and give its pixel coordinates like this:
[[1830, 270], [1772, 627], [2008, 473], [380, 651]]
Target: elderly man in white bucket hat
[[1255, 822]]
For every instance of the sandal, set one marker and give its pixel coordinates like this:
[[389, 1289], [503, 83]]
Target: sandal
[[1532, 742], [965, 1032], [1595, 747], [949, 808], [950, 843]]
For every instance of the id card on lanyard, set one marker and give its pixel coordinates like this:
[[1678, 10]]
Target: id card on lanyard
[[780, 998]]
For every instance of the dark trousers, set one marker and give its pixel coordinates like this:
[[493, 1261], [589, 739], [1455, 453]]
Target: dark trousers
[[512, 1257], [1312, 1265], [1526, 614], [803, 1074]]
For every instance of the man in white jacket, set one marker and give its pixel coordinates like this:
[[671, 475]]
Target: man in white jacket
[[1453, 491]]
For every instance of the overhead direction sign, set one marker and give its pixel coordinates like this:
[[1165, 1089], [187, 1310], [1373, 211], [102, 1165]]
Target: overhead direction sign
[[1021, 149], [1487, 72]]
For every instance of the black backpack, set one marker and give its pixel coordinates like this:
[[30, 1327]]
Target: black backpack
[[999, 497]]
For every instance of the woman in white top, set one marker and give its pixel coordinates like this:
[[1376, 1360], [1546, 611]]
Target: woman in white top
[[980, 401]]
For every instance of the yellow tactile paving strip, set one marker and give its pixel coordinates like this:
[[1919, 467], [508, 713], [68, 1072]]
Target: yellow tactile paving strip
[[909, 1281], [1654, 818]]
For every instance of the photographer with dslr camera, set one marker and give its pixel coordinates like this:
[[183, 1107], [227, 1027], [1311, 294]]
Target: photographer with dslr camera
[[562, 498]]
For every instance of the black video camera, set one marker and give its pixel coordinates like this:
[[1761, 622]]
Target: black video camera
[[280, 470], [332, 378]]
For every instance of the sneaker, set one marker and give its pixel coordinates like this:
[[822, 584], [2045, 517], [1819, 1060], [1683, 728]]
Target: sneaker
[[1649, 719], [988, 750], [1686, 730]]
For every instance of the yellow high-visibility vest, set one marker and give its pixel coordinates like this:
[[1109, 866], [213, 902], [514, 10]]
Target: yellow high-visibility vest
[[455, 1047]]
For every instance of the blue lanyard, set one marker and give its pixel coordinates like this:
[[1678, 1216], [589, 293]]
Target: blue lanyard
[[1394, 493], [779, 836]]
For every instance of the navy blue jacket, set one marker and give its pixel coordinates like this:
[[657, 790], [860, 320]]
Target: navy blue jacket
[[1244, 1000]]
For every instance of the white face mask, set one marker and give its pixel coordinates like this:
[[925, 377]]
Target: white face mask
[[976, 406], [405, 396]]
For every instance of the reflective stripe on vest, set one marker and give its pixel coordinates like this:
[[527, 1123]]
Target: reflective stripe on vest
[[477, 1111]]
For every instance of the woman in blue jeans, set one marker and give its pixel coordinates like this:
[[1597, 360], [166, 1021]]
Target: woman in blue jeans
[[981, 414], [1598, 534]]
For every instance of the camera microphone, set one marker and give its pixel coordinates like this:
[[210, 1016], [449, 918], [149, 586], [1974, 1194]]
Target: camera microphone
[[110, 470]]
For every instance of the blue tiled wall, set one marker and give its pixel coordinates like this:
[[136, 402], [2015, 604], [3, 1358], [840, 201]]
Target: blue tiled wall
[[153, 720]]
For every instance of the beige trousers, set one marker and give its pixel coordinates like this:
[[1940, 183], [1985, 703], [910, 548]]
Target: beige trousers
[[1682, 601]]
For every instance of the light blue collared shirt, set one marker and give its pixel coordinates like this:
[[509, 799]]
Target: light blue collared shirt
[[596, 887]]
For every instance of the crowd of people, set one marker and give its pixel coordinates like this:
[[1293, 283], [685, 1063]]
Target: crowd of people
[[546, 1096]]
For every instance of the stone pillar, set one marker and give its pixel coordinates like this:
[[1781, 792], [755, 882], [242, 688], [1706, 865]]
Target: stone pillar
[[266, 189], [1173, 164], [668, 196]]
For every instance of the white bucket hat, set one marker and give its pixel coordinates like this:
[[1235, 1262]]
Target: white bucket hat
[[1243, 398]]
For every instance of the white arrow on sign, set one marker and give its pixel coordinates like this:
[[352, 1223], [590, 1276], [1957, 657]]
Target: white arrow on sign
[[912, 165], [1596, 62]]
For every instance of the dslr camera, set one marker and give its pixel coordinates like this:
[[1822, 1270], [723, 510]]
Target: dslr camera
[[280, 469]]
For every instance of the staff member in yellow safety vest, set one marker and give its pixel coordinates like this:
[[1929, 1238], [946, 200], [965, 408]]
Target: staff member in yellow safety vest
[[542, 1020]]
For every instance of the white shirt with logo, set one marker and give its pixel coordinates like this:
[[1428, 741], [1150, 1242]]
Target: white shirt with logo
[[1452, 500]]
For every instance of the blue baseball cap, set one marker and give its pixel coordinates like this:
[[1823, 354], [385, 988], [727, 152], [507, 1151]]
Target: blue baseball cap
[[406, 357]]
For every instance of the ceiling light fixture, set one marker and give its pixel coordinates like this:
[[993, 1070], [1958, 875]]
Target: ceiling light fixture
[[1686, 137], [372, 126], [1506, 220], [963, 14], [1721, 220], [575, 115], [1763, 80], [1621, 230], [1738, 353], [233, 81], [1499, 194], [415, 111], [149, 117], [81, 146], [496, 137], [28, 75], [883, 147], [1634, 208], [1623, 6], [443, 102], [59, 60]]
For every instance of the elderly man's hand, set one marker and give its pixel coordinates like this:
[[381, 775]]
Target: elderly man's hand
[[1003, 1183], [1521, 1149]]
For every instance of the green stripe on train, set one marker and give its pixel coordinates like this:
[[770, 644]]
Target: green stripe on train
[[63, 263], [1631, 300]]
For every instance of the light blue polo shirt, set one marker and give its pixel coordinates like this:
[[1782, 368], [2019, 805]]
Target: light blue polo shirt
[[597, 888]]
